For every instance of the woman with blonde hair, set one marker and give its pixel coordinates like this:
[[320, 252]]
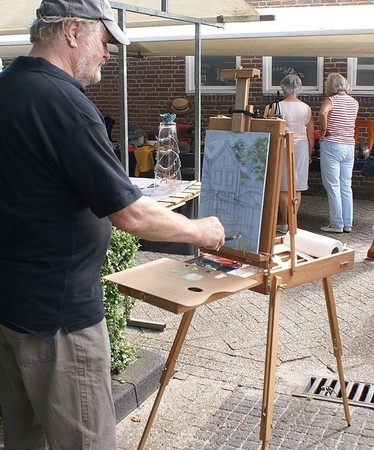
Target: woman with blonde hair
[[337, 117], [299, 120]]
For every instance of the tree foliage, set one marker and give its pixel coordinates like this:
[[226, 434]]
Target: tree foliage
[[256, 155]]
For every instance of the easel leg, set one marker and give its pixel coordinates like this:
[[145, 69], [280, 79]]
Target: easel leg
[[336, 342], [270, 363], [168, 371]]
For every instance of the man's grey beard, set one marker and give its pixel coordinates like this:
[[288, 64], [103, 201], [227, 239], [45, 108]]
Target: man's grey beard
[[93, 80], [81, 75]]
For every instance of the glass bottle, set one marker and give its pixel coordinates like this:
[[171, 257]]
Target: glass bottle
[[168, 166]]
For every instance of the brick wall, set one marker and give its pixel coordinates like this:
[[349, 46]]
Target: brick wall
[[361, 187], [154, 81]]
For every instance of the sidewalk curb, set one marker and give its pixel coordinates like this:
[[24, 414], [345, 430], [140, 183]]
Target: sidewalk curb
[[136, 383]]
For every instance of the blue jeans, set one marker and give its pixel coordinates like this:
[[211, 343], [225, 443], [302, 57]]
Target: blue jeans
[[336, 171]]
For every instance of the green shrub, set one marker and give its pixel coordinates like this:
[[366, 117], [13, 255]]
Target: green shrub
[[120, 256]]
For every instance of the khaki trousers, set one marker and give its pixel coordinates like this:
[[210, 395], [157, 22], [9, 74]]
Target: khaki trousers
[[57, 395]]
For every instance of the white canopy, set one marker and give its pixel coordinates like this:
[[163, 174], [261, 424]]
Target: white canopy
[[331, 31]]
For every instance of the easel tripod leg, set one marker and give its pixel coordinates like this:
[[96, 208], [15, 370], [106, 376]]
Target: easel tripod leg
[[336, 342], [167, 372], [270, 363]]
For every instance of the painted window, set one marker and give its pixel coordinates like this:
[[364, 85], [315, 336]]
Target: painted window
[[360, 75], [309, 69], [211, 81]]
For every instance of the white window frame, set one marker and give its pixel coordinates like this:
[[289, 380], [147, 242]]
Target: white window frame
[[190, 80], [268, 88], [352, 78]]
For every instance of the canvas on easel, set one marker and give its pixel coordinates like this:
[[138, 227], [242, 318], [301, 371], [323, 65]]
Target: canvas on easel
[[269, 213], [233, 184]]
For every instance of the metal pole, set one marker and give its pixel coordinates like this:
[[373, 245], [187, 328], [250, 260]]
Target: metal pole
[[122, 55], [122, 60], [197, 101]]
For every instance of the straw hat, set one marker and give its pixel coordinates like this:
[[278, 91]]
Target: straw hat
[[180, 105]]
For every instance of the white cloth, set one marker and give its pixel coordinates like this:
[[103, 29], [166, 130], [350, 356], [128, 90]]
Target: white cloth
[[297, 115], [301, 170]]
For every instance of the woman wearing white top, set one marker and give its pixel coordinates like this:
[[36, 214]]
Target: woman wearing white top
[[299, 120]]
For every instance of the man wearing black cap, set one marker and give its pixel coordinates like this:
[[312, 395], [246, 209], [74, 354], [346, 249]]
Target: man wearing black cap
[[61, 190]]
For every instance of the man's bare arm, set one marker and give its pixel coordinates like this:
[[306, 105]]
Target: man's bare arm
[[149, 220]]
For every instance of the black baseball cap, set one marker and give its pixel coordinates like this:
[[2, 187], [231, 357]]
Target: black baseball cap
[[86, 9]]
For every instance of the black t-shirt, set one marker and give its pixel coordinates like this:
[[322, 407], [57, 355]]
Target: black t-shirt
[[59, 179]]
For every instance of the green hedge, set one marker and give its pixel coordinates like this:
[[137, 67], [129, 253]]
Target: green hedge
[[120, 256]]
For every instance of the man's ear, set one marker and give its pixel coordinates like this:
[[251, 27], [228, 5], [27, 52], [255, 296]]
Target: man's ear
[[71, 33]]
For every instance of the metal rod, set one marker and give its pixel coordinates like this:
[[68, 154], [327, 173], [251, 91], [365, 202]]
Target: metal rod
[[197, 101], [122, 60], [163, 14]]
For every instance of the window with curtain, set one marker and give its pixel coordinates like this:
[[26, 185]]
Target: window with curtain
[[211, 81], [360, 75], [309, 69]]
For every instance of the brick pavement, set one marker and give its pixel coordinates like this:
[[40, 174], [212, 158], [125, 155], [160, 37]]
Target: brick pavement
[[297, 424], [214, 399]]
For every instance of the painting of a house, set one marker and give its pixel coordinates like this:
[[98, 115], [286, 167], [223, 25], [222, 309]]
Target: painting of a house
[[233, 182]]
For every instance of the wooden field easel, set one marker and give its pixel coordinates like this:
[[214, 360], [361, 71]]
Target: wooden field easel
[[160, 282]]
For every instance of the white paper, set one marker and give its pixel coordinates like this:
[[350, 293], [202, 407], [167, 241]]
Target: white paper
[[146, 185], [314, 244]]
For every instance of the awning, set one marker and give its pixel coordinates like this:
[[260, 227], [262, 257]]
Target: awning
[[16, 15], [226, 10], [330, 31]]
